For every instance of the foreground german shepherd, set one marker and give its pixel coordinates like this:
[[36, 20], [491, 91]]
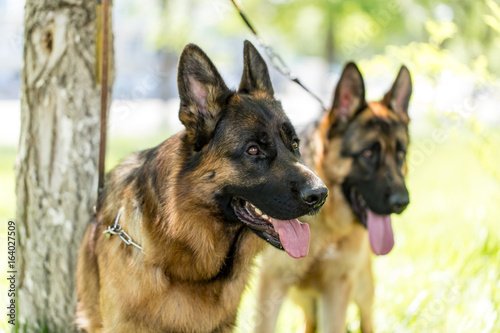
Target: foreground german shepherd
[[358, 149], [196, 204]]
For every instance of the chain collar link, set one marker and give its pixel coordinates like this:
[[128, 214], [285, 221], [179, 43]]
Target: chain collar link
[[116, 229]]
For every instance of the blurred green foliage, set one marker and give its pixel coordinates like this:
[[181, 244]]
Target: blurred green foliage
[[338, 30], [493, 20]]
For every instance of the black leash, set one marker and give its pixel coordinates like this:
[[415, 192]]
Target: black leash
[[276, 60]]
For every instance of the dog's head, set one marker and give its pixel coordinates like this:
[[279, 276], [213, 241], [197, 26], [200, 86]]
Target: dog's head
[[375, 140], [244, 153]]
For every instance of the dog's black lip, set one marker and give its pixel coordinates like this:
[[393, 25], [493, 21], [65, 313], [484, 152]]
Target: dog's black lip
[[360, 207], [261, 228]]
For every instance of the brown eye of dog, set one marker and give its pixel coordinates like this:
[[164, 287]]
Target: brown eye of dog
[[368, 153], [295, 144], [253, 150], [401, 155]]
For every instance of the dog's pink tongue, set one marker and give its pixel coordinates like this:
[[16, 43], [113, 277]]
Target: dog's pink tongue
[[380, 232], [294, 236]]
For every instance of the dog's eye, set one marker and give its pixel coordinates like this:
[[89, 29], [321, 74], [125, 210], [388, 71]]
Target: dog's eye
[[401, 154], [253, 150], [295, 144], [367, 153]]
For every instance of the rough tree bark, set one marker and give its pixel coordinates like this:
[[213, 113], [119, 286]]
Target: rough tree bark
[[56, 168]]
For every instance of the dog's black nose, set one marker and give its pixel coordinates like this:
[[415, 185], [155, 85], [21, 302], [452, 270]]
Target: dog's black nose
[[314, 197], [399, 201]]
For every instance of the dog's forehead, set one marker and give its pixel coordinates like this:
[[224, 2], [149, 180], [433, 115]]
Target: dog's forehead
[[380, 118], [253, 110], [247, 118], [375, 125], [381, 110], [261, 106]]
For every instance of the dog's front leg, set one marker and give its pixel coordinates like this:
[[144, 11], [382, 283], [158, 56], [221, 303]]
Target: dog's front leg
[[334, 304], [272, 292], [364, 294]]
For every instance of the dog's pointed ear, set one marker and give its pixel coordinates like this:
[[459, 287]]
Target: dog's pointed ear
[[200, 89], [398, 98], [255, 73], [349, 94]]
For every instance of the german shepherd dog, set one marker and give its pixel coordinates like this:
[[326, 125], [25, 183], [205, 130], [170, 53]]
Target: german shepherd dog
[[197, 205], [358, 149]]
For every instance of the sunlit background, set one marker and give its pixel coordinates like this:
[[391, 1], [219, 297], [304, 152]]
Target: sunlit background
[[444, 272]]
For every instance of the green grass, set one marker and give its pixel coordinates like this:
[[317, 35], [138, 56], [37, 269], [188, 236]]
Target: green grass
[[444, 272]]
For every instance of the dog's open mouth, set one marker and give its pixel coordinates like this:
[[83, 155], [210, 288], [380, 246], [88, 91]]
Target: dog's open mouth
[[379, 226], [291, 235]]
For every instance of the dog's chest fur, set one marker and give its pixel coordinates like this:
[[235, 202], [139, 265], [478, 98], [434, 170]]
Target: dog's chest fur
[[151, 296]]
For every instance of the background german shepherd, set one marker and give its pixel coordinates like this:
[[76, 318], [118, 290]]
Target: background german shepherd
[[359, 150], [194, 203]]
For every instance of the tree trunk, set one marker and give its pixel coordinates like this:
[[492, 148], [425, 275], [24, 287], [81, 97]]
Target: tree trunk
[[56, 168]]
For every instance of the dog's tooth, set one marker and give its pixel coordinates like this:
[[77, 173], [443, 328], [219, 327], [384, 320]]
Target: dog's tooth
[[265, 217], [258, 211]]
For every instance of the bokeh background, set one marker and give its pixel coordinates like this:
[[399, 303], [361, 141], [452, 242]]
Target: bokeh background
[[444, 272]]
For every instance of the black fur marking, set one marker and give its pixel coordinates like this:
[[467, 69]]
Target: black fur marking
[[191, 163], [227, 271], [288, 135], [131, 177], [224, 98]]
